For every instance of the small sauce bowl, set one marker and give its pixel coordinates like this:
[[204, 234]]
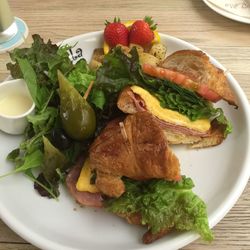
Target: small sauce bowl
[[15, 105]]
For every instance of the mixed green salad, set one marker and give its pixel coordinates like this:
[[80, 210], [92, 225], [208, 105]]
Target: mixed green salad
[[51, 149]]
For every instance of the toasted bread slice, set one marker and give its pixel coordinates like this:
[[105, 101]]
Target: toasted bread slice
[[196, 66], [148, 237], [97, 58]]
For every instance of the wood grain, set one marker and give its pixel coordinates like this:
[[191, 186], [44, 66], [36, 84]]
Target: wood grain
[[226, 40]]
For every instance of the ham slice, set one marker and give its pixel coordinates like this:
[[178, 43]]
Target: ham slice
[[130, 102], [83, 198]]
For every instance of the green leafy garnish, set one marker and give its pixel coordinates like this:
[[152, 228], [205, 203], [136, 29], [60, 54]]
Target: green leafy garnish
[[163, 204], [30, 161], [39, 93], [81, 76], [221, 119], [38, 66]]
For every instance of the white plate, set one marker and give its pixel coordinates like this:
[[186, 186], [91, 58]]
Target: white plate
[[226, 13], [220, 174]]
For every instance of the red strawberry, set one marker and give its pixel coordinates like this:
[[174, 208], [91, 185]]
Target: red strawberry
[[116, 33], [141, 31]]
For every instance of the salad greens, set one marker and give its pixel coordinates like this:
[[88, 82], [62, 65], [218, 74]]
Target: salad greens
[[162, 205], [38, 66]]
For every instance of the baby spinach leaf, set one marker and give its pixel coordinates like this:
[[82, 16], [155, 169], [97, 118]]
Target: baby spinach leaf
[[30, 161]]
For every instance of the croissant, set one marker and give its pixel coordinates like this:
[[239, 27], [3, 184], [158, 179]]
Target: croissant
[[135, 147]]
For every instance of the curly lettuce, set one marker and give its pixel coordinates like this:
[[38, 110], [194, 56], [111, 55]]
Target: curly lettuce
[[164, 204]]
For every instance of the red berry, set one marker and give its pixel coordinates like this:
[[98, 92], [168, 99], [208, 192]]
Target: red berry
[[116, 33], [141, 32]]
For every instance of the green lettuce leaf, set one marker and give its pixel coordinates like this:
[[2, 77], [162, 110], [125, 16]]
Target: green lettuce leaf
[[45, 59], [81, 76], [221, 119], [164, 204]]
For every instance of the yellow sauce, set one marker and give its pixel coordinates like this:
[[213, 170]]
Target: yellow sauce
[[13, 104], [154, 107]]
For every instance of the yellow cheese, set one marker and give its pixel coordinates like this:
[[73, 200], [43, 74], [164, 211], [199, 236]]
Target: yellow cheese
[[157, 38], [83, 182], [154, 107], [129, 23], [105, 48]]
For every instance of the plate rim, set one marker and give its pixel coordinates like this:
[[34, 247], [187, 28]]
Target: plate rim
[[227, 14], [186, 237]]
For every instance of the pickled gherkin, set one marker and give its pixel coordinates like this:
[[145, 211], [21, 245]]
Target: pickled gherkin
[[77, 116]]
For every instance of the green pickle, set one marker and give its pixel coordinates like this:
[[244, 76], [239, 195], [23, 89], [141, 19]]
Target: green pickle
[[78, 117]]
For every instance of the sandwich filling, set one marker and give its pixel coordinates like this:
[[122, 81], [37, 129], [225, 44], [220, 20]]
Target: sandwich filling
[[153, 106]]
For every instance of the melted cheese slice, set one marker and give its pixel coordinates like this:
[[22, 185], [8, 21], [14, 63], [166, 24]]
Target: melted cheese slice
[[154, 107], [83, 183]]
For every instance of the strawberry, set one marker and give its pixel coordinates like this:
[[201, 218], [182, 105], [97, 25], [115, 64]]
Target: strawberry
[[141, 31], [116, 33]]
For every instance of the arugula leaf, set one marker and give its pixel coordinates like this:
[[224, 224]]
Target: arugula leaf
[[43, 187], [39, 94], [163, 204], [44, 120], [30, 161]]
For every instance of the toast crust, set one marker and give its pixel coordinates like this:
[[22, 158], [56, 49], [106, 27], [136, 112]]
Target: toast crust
[[196, 66]]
